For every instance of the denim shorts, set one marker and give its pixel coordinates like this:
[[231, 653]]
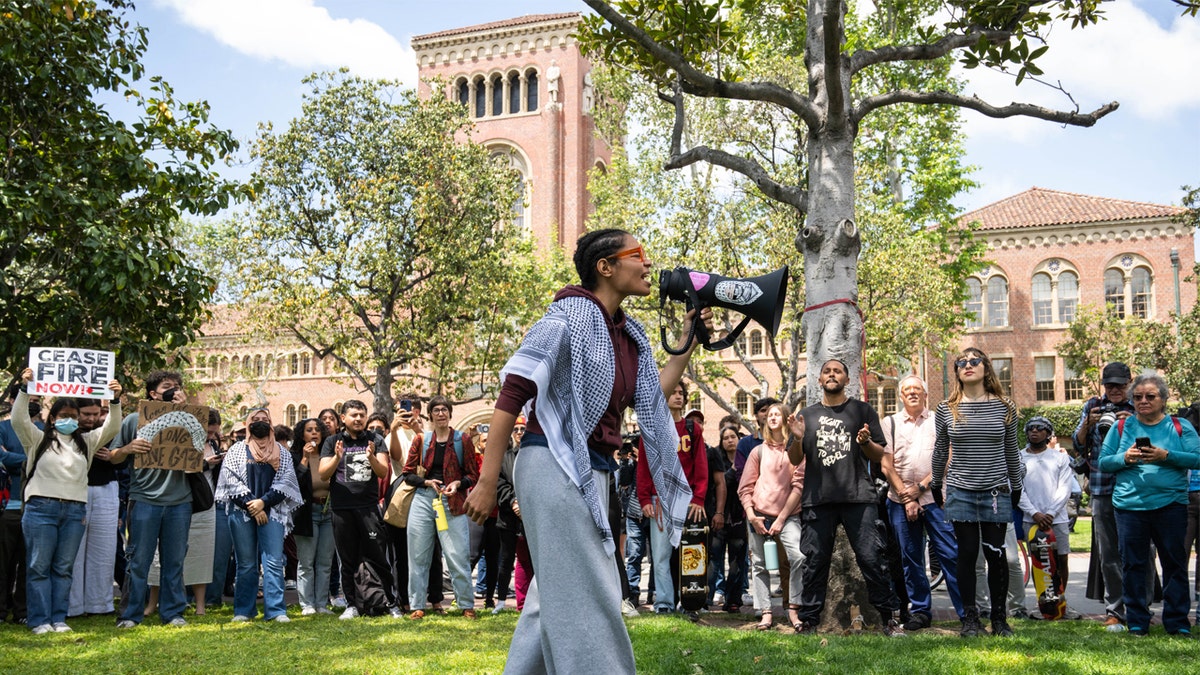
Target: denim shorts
[[978, 506]]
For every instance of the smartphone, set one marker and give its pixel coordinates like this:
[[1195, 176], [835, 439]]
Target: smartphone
[[1142, 441], [406, 404]]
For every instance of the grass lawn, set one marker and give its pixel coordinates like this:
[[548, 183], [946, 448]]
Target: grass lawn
[[1081, 538], [211, 644]]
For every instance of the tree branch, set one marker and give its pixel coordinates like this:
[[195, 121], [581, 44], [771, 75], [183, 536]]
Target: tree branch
[[703, 84], [833, 64], [923, 52], [979, 105]]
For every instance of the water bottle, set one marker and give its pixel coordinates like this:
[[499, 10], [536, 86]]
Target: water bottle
[[770, 555], [439, 514]]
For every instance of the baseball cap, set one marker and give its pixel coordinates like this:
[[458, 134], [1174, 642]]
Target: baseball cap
[[1115, 373], [696, 412]]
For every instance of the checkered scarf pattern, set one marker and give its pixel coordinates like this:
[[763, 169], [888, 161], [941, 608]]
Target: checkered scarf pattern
[[569, 355]]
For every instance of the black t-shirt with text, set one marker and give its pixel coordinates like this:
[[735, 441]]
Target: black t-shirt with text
[[354, 485], [837, 470]]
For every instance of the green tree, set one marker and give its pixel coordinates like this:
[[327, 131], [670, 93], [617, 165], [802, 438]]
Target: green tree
[[384, 238], [1097, 337], [833, 79], [89, 202]]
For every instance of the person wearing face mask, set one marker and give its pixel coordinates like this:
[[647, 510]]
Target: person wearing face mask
[[258, 494], [92, 579], [159, 516], [55, 497]]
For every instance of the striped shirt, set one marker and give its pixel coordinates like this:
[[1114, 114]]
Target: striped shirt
[[985, 447]]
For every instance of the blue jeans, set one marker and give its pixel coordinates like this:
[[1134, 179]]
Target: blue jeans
[[733, 541], [314, 559], [165, 528], [253, 543], [637, 543], [661, 552], [223, 548], [53, 529], [1164, 527], [456, 548], [911, 536]]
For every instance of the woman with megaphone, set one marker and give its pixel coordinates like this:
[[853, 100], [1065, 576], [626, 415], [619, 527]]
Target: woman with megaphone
[[576, 371]]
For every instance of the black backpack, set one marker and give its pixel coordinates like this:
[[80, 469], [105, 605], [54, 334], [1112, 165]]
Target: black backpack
[[370, 597], [1191, 414]]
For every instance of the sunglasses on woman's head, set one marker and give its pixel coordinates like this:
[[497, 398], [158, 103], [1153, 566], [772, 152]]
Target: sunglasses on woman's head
[[973, 361]]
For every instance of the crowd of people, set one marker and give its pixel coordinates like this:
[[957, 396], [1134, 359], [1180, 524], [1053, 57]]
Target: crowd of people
[[366, 513]]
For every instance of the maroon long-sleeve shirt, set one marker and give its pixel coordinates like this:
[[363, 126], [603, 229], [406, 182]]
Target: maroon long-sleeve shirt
[[693, 456]]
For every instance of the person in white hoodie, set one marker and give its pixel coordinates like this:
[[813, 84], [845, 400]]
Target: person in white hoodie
[[55, 496], [1048, 476]]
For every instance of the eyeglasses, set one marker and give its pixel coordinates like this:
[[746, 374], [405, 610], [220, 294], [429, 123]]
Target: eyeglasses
[[963, 363], [637, 253], [518, 430], [439, 409], [1145, 397]]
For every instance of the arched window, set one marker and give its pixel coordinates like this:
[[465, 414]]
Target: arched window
[[741, 401], [1055, 293], [258, 366], [743, 343], [1129, 287], [294, 364], [199, 365], [974, 303], [305, 364], [756, 343], [514, 93], [508, 156], [531, 90], [302, 411], [291, 415], [480, 97], [696, 401], [464, 92], [245, 364], [497, 86], [997, 302]]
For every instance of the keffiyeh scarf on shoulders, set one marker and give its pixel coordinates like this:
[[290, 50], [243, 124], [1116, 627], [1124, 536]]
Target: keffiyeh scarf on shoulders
[[569, 355], [234, 483]]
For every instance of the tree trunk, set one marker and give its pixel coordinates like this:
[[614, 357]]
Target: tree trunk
[[383, 390]]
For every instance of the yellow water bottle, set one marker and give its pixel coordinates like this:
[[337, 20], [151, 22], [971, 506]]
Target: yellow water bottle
[[439, 514]]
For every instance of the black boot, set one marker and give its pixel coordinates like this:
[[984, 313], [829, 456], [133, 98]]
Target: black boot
[[1000, 627], [970, 623]]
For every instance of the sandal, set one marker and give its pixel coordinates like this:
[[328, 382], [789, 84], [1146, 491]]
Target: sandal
[[797, 624], [765, 623]]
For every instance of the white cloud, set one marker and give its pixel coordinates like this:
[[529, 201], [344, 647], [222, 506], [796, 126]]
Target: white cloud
[[1128, 57], [300, 34]]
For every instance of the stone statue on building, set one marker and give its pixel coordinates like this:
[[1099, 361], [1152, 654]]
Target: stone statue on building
[[589, 93], [553, 76]]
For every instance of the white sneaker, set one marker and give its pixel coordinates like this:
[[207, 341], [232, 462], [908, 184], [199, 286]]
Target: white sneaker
[[61, 627], [178, 622], [396, 612], [308, 611], [282, 618], [350, 613], [718, 599], [339, 602], [126, 623], [240, 618], [499, 607], [43, 629], [325, 610], [628, 609]]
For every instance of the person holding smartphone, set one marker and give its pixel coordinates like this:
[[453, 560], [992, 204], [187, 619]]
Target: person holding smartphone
[[1150, 454]]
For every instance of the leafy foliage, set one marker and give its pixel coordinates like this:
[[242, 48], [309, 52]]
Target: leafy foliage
[[1097, 337], [89, 202], [383, 240]]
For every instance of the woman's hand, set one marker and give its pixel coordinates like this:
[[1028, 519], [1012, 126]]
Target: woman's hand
[[757, 522], [261, 518], [434, 484], [451, 488], [776, 527], [115, 388], [27, 375], [255, 506]]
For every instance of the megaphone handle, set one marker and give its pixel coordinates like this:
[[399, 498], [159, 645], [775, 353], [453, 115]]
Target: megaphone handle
[[728, 339]]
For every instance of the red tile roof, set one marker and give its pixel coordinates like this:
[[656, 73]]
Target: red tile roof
[[496, 25], [1039, 206]]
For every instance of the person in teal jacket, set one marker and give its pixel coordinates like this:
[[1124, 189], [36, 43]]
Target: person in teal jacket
[[1150, 454]]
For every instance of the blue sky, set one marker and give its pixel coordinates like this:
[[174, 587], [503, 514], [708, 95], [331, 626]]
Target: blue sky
[[247, 57]]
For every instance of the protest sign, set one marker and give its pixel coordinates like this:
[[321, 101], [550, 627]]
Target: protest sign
[[177, 435], [65, 371]]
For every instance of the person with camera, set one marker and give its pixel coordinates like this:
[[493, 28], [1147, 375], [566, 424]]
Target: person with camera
[[1098, 416], [1149, 455]]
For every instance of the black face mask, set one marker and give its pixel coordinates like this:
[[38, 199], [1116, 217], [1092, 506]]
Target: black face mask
[[260, 429], [35, 409], [169, 395]]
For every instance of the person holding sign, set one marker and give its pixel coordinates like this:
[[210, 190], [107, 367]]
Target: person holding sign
[[258, 493], [159, 516], [55, 496]]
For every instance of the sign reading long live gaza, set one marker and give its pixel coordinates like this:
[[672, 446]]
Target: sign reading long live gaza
[[65, 371], [177, 433]]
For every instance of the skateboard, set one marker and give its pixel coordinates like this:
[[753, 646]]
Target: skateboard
[[1044, 570], [693, 567]]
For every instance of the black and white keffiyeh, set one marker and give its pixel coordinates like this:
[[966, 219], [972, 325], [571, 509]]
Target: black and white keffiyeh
[[569, 355], [234, 483]]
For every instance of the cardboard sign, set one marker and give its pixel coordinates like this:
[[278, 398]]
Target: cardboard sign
[[65, 371], [177, 435]]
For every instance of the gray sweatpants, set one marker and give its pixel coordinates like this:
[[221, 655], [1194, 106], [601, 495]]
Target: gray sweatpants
[[572, 618]]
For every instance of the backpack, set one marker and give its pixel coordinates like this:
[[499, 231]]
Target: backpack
[[427, 443], [1121, 428], [370, 597], [1191, 414]]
